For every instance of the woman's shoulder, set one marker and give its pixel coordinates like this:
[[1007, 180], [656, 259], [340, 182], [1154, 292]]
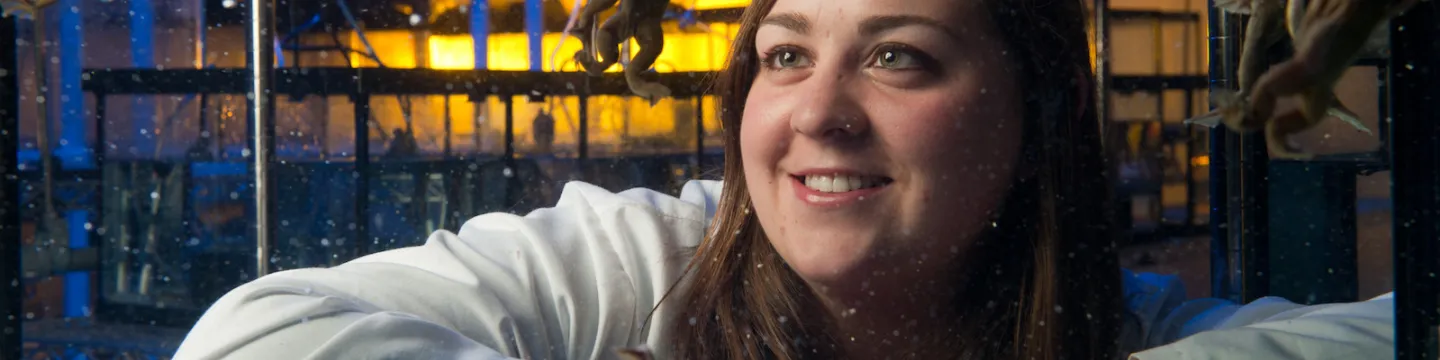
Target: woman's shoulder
[[567, 281]]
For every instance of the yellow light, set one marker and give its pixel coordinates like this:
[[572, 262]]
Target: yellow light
[[1202, 160], [718, 4], [683, 51], [395, 47]]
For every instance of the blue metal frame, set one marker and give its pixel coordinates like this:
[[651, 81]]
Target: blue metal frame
[[535, 31], [1224, 54], [480, 32]]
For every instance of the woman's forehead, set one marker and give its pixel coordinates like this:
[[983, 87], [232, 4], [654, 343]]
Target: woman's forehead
[[955, 16], [856, 10]]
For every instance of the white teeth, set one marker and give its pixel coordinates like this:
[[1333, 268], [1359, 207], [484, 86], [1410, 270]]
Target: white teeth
[[840, 183]]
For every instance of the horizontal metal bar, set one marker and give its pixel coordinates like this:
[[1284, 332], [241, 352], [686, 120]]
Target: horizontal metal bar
[[1128, 15], [381, 81], [1132, 83]]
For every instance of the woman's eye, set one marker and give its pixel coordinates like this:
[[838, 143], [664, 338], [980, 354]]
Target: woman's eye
[[897, 59], [786, 58]]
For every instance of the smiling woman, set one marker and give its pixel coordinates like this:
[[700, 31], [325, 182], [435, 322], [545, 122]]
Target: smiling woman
[[913, 174], [904, 179]]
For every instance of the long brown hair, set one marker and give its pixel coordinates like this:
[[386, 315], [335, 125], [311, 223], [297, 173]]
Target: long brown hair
[[1057, 293]]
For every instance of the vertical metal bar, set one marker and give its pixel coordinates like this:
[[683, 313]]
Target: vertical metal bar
[[509, 100], [1224, 42], [1383, 78], [199, 36], [72, 152], [142, 54], [511, 172], [1250, 213], [449, 128], [98, 149], [362, 174], [699, 135], [535, 31], [584, 126], [261, 51], [1188, 163], [480, 34], [1414, 45], [100, 140], [1102, 63], [11, 292]]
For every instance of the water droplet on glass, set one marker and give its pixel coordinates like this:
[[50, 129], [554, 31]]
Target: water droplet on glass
[[1059, 309], [509, 173], [782, 319], [245, 152], [692, 320]]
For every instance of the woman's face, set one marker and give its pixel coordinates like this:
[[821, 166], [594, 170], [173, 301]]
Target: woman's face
[[879, 135]]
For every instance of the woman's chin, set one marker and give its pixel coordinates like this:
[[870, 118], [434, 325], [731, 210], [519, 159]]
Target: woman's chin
[[832, 264]]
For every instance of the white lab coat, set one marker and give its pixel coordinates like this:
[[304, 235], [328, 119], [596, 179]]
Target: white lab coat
[[577, 280]]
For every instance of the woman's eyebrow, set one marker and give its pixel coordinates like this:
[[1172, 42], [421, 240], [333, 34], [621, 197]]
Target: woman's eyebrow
[[879, 24], [792, 21]]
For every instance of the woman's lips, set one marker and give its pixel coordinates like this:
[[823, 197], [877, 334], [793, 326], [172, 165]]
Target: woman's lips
[[839, 189]]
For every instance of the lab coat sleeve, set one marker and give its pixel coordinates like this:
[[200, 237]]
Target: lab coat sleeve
[[574, 281], [1274, 328]]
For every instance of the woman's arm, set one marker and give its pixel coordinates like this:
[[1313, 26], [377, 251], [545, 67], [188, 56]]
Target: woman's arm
[[571, 281], [1274, 328]]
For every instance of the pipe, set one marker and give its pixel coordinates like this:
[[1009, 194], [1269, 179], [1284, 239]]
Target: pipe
[[142, 53], [199, 34], [72, 151], [480, 34], [535, 31], [261, 36], [1224, 43]]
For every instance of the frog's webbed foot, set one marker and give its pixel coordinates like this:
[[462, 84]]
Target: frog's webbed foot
[[649, 90], [1227, 104], [1278, 131], [1339, 111], [652, 41]]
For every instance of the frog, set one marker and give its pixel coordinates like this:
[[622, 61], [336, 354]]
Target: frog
[[638, 19], [1328, 37]]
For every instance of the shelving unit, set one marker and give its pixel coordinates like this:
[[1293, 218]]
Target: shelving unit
[[1155, 153]]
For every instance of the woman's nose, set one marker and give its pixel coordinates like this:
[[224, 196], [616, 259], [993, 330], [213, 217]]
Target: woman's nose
[[826, 109]]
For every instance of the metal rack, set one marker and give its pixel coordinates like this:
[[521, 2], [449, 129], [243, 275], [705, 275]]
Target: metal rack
[[1151, 183], [360, 85]]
